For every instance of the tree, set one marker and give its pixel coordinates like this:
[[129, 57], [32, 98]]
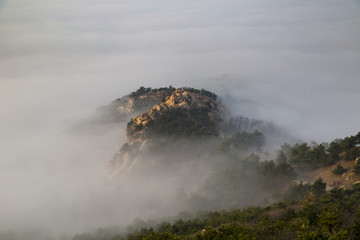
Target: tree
[[267, 173], [318, 156], [299, 154], [339, 170], [355, 228], [330, 220], [285, 173], [286, 148], [271, 174], [297, 192], [281, 158], [334, 151], [319, 187]]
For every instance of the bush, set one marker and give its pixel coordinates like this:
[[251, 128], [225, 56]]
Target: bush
[[339, 170]]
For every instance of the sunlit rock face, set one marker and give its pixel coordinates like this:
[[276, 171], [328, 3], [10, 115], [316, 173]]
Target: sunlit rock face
[[132, 105], [181, 113]]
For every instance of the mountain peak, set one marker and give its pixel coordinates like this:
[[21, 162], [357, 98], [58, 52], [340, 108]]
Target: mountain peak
[[184, 112], [188, 105]]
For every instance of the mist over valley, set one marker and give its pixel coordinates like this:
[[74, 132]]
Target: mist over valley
[[179, 119]]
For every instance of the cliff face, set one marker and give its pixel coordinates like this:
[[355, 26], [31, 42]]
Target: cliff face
[[132, 105], [181, 104], [183, 113]]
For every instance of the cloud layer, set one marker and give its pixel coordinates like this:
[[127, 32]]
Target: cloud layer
[[296, 63]]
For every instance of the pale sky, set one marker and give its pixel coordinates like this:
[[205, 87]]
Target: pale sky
[[298, 63]]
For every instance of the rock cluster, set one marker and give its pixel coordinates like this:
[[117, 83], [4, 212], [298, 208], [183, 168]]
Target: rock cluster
[[139, 127]]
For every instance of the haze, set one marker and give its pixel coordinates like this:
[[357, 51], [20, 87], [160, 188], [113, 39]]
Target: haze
[[294, 63]]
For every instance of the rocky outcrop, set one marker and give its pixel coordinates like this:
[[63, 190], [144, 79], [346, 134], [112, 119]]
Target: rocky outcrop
[[183, 113], [179, 99], [108, 117], [129, 106]]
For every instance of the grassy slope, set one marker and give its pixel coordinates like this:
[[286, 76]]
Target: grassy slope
[[346, 180]]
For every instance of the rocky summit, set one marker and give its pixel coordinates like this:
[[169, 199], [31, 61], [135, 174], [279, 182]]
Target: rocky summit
[[140, 101], [180, 113]]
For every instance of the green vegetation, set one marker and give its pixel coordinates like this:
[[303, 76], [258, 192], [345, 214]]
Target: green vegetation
[[243, 141], [316, 215], [192, 123], [234, 200], [303, 155], [202, 92], [169, 90], [339, 170], [274, 175], [143, 91], [181, 122], [242, 181], [239, 178]]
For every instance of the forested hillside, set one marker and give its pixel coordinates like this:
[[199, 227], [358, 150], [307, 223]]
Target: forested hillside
[[262, 199], [308, 212]]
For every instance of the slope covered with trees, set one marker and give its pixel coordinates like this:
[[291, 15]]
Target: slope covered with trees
[[250, 197], [309, 212]]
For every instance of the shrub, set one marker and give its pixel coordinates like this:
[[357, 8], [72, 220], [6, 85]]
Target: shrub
[[339, 170]]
